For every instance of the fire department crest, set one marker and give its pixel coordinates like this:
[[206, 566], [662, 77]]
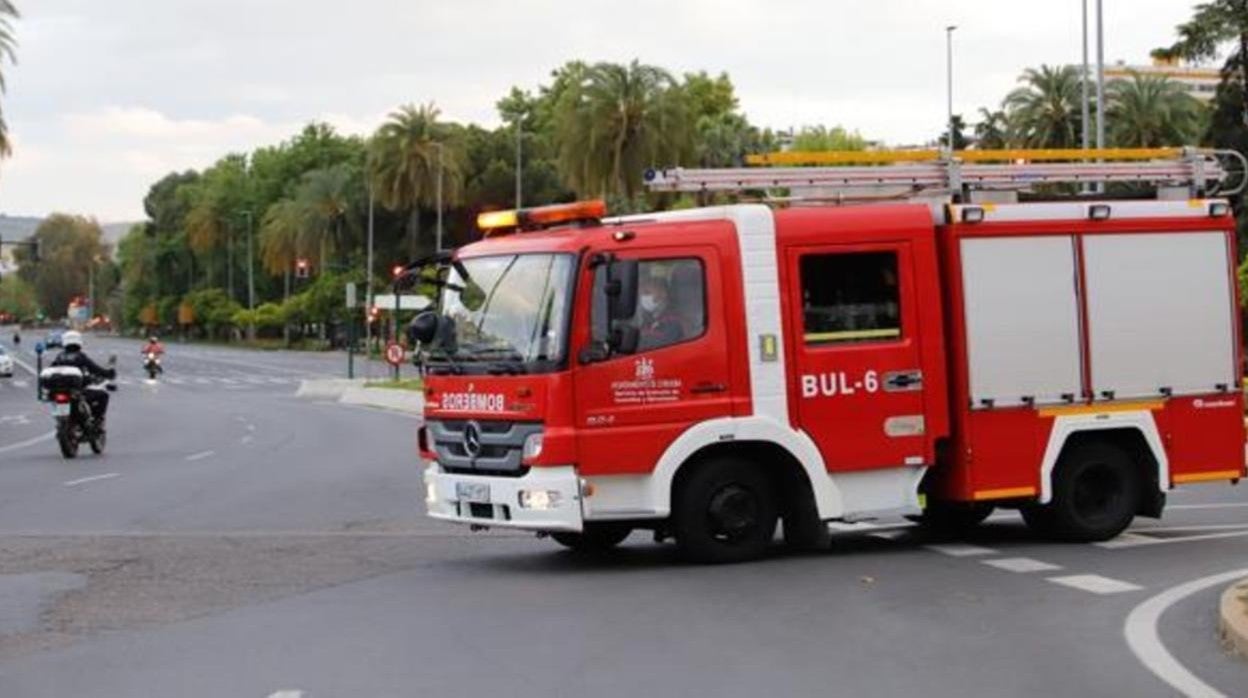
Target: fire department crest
[[644, 369]]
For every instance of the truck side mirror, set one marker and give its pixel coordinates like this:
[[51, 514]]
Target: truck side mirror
[[423, 328], [624, 338], [622, 289]]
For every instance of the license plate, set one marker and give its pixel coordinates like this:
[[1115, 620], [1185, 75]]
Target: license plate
[[472, 492], [60, 409]]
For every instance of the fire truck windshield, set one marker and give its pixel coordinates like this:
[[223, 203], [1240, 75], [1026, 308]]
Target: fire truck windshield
[[509, 314]]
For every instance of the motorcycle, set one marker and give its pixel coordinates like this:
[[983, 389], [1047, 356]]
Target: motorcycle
[[65, 388], [151, 364]]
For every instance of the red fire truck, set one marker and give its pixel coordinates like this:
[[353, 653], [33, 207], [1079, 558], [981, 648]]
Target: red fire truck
[[710, 373]]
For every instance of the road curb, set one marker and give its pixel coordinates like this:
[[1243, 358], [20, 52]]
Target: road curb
[[1233, 617], [407, 401], [327, 388]]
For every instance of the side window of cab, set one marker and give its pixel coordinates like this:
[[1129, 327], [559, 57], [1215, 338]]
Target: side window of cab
[[671, 303]]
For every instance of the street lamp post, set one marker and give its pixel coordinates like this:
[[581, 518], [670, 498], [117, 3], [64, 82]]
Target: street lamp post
[[1083, 79], [949, 83], [519, 163], [368, 290], [439, 198], [1100, 82], [251, 276]]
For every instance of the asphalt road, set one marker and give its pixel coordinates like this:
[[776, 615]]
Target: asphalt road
[[237, 541]]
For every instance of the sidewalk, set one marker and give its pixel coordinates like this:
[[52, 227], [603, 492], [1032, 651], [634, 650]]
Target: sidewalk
[[353, 392], [1233, 617]]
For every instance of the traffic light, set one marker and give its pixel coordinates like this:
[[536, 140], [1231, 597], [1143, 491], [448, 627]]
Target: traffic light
[[396, 271], [301, 268], [373, 313]]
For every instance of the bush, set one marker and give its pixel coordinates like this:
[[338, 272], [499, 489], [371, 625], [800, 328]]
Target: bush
[[214, 311]]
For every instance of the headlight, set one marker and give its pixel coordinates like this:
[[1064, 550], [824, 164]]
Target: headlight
[[540, 500], [532, 446]]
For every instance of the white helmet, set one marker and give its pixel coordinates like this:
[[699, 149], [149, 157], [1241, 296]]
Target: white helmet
[[71, 338]]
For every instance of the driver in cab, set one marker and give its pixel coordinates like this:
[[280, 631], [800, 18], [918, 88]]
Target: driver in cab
[[660, 325]]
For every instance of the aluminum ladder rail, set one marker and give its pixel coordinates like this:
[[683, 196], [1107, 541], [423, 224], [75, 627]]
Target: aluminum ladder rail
[[1203, 171]]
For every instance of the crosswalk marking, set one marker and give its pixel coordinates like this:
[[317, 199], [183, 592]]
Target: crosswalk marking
[[1022, 565], [1095, 584], [960, 550]]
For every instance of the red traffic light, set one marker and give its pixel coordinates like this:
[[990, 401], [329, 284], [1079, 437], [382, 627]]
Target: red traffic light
[[397, 270]]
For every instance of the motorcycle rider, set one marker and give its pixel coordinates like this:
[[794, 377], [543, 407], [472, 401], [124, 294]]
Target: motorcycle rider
[[73, 355], [156, 349]]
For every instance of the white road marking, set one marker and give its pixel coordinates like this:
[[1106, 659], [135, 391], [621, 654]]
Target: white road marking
[[19, 383], [245, 440], [175, 381], [287, 693], [27, 442], [1095, 584], [959, 550], [1142, 636], [201, 455], [1133, 539], [845, 527], [93, 478], [29, 369], [1222, 505], [1195, 527], [1022, 565], [203, 381]]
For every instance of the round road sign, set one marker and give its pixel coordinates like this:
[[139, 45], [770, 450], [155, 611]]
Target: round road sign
[[394, 354]]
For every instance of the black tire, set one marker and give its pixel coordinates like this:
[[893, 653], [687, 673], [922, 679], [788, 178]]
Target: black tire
[[725, 512], [804, 531], [1096, 493], [65, 439], [595, 538], [98, 443], [953, 517]]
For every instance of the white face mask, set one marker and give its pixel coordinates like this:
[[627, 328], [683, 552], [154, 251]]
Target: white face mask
[[649, 303]]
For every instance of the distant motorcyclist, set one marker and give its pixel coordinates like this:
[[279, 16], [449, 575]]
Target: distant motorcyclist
[[73, 355], [153, 346]]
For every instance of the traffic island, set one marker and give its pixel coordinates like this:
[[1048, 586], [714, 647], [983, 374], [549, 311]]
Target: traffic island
[[1233, 617]]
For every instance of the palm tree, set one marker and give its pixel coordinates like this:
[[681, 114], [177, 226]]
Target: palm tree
[[990, 132], [8, 13], [406, 157], [617, 121], [206, 229], [1148, 111], [326, 196], [279, 238], [1045, 111]]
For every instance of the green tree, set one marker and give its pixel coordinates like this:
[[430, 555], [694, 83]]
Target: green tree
[[1213, 24], [69, 246], [960, 141], [327, 198], [8, 44], [822, 138], [17, 298], [616, 122], [407, 156], [1147, 111], [990, 131], [1045, 111]]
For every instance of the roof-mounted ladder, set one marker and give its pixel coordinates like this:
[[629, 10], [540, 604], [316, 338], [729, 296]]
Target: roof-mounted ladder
[[918, 173]]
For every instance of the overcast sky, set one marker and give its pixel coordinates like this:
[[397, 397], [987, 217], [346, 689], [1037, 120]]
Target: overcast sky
[[110, 95]]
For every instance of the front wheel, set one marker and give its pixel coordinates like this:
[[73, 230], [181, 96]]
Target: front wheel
[[66, 438], [98, 443], [725, 512], [595, 538]]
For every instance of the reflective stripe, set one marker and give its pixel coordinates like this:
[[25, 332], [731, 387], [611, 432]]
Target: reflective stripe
[[1210, 476]]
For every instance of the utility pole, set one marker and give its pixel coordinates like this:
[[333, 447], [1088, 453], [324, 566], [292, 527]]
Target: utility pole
[[949, 72], [1083, 80], [439, 197], [368, 290], [519, 162], [1100, 82], [251, 276]]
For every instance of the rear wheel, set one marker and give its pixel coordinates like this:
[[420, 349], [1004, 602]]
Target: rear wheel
[[66, 439], [725, 512], [595, 538], [1096, 492], [98, 443]]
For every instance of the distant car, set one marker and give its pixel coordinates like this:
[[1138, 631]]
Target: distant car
[[53, 340], [6, 364]]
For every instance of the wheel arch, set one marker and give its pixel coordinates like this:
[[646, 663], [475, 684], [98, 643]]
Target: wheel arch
[[799, 472], [1134, 432]]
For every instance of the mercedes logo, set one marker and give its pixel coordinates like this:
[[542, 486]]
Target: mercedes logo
[[472, 439]]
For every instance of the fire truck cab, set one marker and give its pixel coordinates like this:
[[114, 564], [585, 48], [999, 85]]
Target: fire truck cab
[[710, 373]]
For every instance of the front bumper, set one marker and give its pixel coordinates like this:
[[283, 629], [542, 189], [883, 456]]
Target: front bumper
[[443, 502]]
